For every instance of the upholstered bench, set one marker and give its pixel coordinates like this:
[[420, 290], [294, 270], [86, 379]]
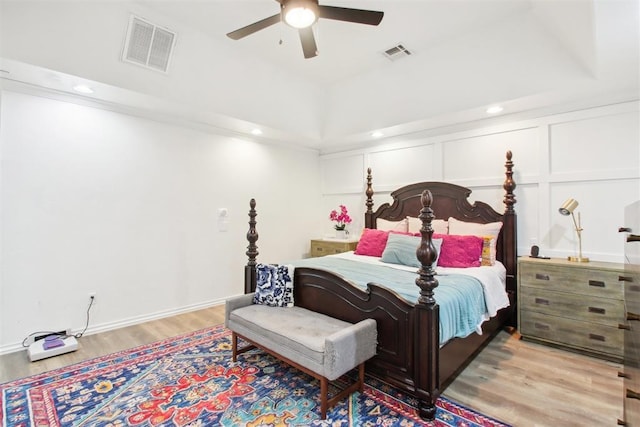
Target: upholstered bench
[[323, 347]]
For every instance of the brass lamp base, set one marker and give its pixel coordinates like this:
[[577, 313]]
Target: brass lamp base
[[577, 259]]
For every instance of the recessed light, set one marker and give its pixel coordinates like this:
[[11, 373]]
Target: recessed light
[[82, 89], [256, 131], [377, 134], [494, 109]]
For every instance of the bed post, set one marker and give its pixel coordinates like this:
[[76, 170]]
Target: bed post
[[427, 380], [252, 251], [510, 244], [368, 215]]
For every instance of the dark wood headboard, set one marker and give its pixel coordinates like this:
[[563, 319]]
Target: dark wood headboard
[[450, 200]]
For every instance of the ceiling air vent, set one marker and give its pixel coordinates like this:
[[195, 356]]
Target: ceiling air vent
[[396, 52], [148, 45]]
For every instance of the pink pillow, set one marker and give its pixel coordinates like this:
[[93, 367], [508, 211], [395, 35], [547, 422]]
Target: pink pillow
[[459, 251], [372, 242]]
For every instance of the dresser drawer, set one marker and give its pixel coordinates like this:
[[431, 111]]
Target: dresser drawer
[[579, 307], [632, 345], [574, 333], [581, 281]]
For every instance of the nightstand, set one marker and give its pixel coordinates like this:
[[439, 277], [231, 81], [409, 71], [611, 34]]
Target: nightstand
[[322, 247], [577, 306]]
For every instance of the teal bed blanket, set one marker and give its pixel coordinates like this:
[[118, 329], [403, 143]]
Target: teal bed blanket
[[461, 298]]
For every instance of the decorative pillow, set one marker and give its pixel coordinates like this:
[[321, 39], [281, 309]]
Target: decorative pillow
[[459, 251], [488, 251], [274, 285], [471, 228], [401, 249], [372, 242], [439, 226], [385, 225]]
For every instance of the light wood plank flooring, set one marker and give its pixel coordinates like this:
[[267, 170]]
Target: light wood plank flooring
[[515, 381]]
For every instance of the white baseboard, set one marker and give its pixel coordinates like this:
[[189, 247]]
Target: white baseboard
[[110, 326]]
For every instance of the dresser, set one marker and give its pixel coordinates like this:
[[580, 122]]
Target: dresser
[[631, 280], [576, 306], [322, 247]]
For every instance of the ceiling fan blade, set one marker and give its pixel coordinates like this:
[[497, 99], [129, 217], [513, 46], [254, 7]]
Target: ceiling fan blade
[[252, 28], [359, 16], [309, 47]]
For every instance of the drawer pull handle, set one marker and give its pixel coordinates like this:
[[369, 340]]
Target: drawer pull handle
[[597, 337], [621, 422], [634, 288], [633, 316], [633, 238], [625, 279], [319, 249], [597, 310], [541, 276], [632, 394], [541, 326], [596, 283], [623, 375], [622, 326], [542, 301], [624, 230]]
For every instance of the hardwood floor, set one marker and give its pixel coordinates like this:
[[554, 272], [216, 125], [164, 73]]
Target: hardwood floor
[[528, 384], [515, 381]]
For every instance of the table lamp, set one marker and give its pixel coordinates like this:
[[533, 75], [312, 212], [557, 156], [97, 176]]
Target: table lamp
[[567, 209]]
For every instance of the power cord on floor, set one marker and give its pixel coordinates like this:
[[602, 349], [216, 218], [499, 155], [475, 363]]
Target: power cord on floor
[[61, 334]]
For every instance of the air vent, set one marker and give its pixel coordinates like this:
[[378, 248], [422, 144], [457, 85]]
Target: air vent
[[396, 52], [148, 45]]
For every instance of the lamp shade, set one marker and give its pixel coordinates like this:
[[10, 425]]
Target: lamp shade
[[568, 207]]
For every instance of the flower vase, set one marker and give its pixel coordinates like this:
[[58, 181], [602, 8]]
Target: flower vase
[[342, 234]]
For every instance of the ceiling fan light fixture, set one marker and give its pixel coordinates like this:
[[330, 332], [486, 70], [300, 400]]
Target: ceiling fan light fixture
[[300, 13]]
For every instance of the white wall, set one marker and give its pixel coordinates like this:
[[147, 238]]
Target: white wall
[[591, 155], [126, 207]]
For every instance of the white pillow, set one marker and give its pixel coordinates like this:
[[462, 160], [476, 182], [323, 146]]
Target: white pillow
[[489, 230], [385, 225], [439, 226]]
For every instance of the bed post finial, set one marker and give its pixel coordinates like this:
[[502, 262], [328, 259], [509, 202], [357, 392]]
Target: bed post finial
[[509, 185], [427, 316], [426, 252], [368, 215], [510, 243], [252, 251]]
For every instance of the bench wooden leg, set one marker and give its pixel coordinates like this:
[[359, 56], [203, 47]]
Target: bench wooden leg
[[361, 377], [234, 346], [324, 391]]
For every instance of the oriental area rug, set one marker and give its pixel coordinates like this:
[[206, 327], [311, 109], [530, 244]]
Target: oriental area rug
[[190, 380]]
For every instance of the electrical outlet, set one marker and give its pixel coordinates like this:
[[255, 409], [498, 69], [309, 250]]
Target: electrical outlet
[[92, 295]]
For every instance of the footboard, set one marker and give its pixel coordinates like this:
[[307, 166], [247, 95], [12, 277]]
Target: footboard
[[325, 292]]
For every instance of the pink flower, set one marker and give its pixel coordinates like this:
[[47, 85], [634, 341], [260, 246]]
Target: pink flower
[[341, 219]]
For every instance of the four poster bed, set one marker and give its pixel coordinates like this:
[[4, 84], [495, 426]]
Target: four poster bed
[[410, 353]]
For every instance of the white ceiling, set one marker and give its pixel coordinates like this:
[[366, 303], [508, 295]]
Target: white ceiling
[[531, 56]]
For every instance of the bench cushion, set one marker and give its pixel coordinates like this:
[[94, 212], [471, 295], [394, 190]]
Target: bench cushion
[[295, 328], [325, 345]]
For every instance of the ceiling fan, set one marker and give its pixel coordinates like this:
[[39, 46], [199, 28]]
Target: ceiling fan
[[302, 14]]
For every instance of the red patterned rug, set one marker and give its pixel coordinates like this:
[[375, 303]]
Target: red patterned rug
[[190, 380]]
